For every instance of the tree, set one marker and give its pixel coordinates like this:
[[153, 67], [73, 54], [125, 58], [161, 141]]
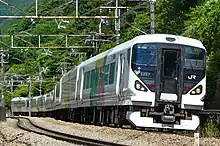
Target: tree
[[204, 24], [171, 15]]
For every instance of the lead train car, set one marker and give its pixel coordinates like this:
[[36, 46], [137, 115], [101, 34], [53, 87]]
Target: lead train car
[[19, 106], [153, 81]]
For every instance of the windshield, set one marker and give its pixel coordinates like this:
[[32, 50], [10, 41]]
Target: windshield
[[194, 57], [144, 54], [144, 62]]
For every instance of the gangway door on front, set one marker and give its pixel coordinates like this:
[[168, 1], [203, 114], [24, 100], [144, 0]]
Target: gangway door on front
[[169, 76]]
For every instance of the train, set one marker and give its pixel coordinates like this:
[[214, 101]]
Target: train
[[150, 81]]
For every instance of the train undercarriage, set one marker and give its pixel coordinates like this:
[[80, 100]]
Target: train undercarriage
[[118, 116]]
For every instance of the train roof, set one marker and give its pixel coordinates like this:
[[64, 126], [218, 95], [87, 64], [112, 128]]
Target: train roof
[[69, 72], [149, 38], [19, 98], [162, 38], [35, 97]]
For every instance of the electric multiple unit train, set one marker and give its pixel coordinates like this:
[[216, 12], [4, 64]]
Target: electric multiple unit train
[[155, 80]]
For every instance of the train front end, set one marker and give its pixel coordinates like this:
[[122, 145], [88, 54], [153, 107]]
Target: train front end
[[168, 81]]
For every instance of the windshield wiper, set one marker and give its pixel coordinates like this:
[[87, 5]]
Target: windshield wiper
[[152, 57], [147, 64]]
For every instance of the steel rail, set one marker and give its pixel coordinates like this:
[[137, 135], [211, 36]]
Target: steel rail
[[59, 135], [210, 112]]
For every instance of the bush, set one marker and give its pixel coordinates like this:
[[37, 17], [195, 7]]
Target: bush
[[210, 128]]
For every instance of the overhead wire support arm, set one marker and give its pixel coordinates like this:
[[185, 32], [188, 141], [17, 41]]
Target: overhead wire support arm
[[49, 17], [77, 7], [117, 22], [29, 95], [152, 16], [36, 7], [58, 17], [120, 7], [40, 37]]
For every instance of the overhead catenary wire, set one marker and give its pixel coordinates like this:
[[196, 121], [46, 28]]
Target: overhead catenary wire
[[12, 6], [97, 8]]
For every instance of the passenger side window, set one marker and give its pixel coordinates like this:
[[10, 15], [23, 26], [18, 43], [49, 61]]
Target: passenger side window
[[96, 77], [84, 82], [88, 79], [128, 55], [106, 78], [92, 77], [105, 73], [112, 73]]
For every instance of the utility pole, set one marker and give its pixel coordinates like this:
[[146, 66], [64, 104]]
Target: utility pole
[[77, 8], [2, 106], [40, 78], [29, 90], [36, 7], [2, 73], [12, 84], [152, 16], [117, 22], [96, 40]]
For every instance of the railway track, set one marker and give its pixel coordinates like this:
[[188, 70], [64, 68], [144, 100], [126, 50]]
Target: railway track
[[27, 125]]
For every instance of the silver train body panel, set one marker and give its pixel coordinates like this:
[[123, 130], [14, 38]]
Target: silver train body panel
[[80, 87]]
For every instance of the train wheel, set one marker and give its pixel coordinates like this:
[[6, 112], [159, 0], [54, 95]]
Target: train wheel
[[111, 112], [115, 117], [94, 116], [107, 117], [100, 117]]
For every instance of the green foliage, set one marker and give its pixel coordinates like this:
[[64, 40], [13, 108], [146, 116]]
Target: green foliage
[[6, 10], [204, 24], [45, 26], [7, 101], [198, 19], [20, 26], [21, 91], [170, 18], [107, 46], [171, 15], [141, 22], [213, 74], [210, 129]]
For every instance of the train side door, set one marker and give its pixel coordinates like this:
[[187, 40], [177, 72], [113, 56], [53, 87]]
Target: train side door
[[122, 57], [120, 77], [82, 84], [77, 85]]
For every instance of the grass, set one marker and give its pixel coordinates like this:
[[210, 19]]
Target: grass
[[210, 129]]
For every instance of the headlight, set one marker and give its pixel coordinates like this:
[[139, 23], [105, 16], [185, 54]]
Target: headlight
[[139, 86], [197, 90]]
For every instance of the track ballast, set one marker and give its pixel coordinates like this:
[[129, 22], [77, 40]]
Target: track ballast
[[27, 125]]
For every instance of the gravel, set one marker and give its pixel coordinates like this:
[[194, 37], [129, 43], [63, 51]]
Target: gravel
[[123, 136], [11, 135]]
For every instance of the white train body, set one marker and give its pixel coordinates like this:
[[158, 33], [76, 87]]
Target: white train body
[[152, 81], [34, 106], [49, 99], [19, 105]]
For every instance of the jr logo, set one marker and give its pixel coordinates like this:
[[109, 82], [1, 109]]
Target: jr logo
[[192, 77]]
